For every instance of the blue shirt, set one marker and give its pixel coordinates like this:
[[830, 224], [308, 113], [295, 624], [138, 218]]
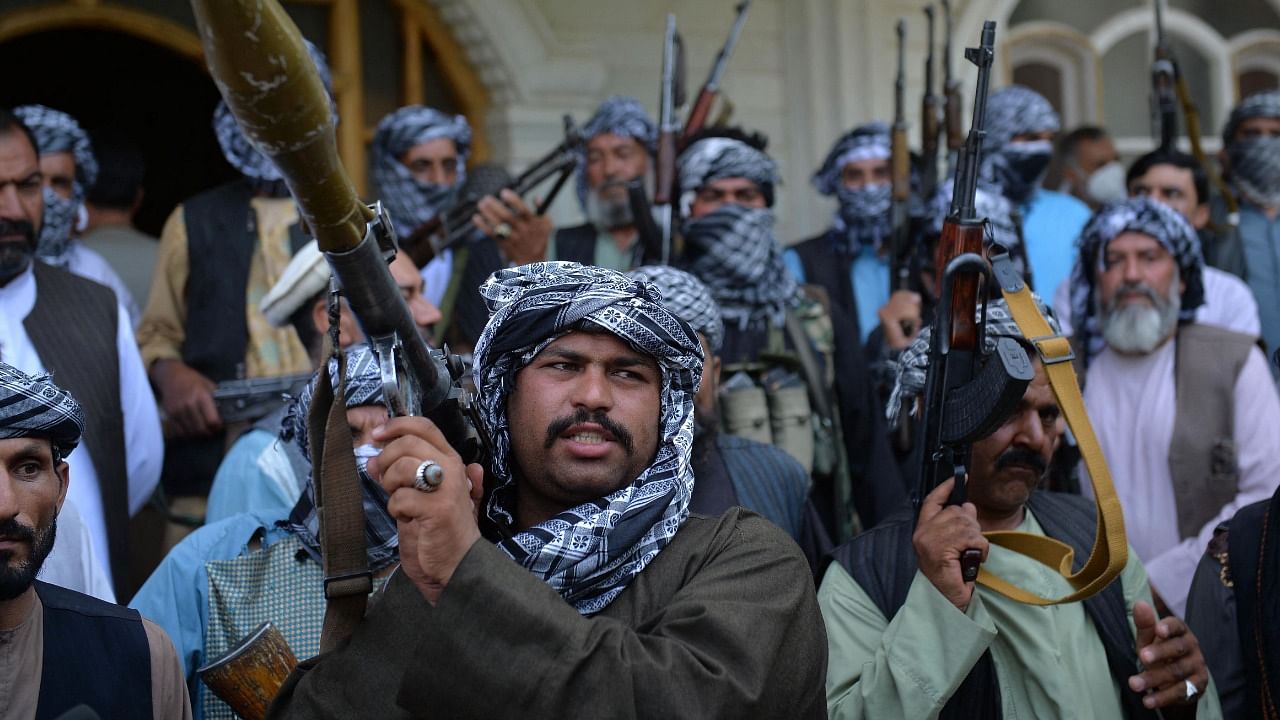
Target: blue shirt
[[869, 278], [1260, 238], [1051, 223], [255, 476]]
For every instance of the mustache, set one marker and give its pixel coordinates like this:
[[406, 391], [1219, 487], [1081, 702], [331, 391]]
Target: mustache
[[1022, 456], [18, 227], [599, 417], [14, 530], [1141, 289]]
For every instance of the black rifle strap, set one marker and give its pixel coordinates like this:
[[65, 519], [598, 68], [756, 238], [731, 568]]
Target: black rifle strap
[[347, 580]]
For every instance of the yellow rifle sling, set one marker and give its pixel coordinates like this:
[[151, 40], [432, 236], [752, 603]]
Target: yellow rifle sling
[[1110, 547]]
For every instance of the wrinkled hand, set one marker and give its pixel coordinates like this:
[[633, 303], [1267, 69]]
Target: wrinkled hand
[[186, 397], [941, 535], [436, 528], [903, 309], [1171, 655], [526, 241]]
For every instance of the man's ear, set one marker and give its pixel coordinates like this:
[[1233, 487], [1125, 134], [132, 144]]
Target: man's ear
[[715, 370], [63, 471], [1200, 216]]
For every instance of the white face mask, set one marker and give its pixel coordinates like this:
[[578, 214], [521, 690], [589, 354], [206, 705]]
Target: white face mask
[[1106, 184]]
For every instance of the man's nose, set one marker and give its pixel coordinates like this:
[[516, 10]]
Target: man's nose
[[425, 313], [8, 496], [1030, 430], [593, 390], [10, 205]]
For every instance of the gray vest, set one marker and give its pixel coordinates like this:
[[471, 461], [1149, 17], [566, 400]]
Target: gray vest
[[73, 329], [1202, 454]]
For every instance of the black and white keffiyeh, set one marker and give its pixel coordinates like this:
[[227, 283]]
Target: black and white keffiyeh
[[58, 132], [733, 251], [688, 298], [1141, 215], [237, 148], [865, 142], [32, 406], [409, 201], [862, 217], [912, 366], [714, 158], [364, 387], [1017, 167], [618, 115], [591, 552], [1254, 162]]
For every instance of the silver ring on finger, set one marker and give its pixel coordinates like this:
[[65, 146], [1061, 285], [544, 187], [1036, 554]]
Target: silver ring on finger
[[1191, 690], [428, 476], [502, 230]]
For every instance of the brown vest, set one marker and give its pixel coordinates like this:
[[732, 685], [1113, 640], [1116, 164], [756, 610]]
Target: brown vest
[[1202, 453], [73, 328]]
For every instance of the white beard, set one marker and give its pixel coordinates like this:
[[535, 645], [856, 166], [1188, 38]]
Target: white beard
[[1135, 329], [608, 213]]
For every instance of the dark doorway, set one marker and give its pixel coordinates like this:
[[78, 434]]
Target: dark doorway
[[160, 100]]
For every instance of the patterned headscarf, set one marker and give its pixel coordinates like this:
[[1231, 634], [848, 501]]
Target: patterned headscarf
[[591, 552], [1142, 215], [237, 148], [364, 387], [1255, 162], [410, 201], [1017, 168], [912, 366], [58, 132], [862, 217], [618, 115], [733, 250], [719, 157], [32, 406], [686, 297]]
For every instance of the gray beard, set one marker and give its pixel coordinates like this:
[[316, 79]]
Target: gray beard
[[1138, 330], [608, 213]]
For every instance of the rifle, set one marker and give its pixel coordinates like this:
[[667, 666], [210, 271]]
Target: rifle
[[900, 166], [451, 228], [252, 398], [931, 108], [1167, 79], [952, 107], [963, 403], [711, 88], [256, 56], [671, 97]]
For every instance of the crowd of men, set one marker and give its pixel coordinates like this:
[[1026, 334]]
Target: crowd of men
[[696, 502]]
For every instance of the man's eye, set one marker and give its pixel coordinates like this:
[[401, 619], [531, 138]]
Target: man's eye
[[27, 469]]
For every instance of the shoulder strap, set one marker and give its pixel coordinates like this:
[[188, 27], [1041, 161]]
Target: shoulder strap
[[1110, 548]]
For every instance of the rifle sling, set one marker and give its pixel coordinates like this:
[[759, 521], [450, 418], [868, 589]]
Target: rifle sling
[[347, 580], [1110, 547]]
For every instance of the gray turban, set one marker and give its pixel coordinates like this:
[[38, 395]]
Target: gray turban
[[1263, 104], [364, 387], [32, 406], [591, 552], [1016, 110], [688, 298], [622, 116], [714, 158]]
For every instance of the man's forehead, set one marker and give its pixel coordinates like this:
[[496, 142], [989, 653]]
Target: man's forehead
[[25, 447], [866, 164], [1135, 241], [1258, 123], [731, 183], [607, 141], [17, 156], [593, 343], [1166, 173], [435, 147]]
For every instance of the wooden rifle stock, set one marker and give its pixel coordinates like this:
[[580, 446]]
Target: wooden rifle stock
[[698, 115], [249, 675]]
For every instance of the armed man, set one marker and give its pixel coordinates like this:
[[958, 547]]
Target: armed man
[[581, 562], [909, 638]]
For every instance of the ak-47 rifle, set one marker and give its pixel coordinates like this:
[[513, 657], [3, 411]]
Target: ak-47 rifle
[[671, 98], [900, 167], [1167, 81], [962, 403], [256, 57], [253, 398], [711, 88], [451, 228], [931, 108], [952, 108]]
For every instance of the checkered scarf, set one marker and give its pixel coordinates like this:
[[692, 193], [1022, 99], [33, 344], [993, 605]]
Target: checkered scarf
[[1262, 104], [1255, 162], [1146, 216], [58, 132], [734, 252], [718, 157], [622, 116], [239, 150], [412, 202], [862, 218], [364, 387], [591, 552], [865, 142], [32, 406], [1017, 167], [912, 366], [687, 298]]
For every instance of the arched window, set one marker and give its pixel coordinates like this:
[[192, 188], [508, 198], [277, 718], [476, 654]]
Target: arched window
[[1056, 61]]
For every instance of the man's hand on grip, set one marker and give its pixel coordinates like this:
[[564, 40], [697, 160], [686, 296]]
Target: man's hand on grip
[[942, 534]]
